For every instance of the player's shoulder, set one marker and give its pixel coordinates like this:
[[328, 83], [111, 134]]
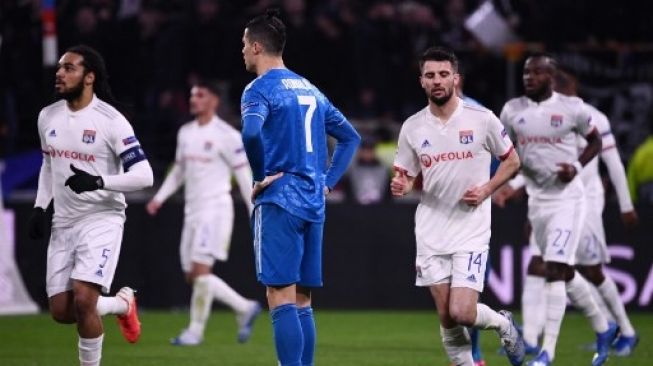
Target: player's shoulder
[[224, 127], [599, 119], [416, 119], [475, 108], [106, 110], [516, 104], [52, 109], [570, 100]]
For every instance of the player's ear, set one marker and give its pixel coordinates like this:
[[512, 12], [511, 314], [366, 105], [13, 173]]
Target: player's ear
[[89, 78], [456, 79]]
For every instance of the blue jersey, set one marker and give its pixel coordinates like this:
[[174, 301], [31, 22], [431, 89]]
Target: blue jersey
[[286, 120]]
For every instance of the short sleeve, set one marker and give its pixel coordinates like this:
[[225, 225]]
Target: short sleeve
[[254, 104], [406, 158], [504, 118], [600, 121], [497, 140], [234, 151], [583, 120]]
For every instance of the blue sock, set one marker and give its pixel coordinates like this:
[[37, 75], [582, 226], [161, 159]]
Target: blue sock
[[476, 346], [288, 338], [308, 328]]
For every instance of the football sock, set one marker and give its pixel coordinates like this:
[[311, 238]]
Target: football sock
[[111, 305], [90, 351], [601, 304], [226, 295], [474, 334], [200, 305], [610, 294], [288, 337], [556, 303], [487, 318], [533, 308], [458, 345], [307, 322], [578, 290]]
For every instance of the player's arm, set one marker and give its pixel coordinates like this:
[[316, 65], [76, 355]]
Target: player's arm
[[406, 165], [509, 190], [36, 225], [498, 143], [254, 110], [347, 141], [237, 159], [567, 171], [173, 181], [617, 173]]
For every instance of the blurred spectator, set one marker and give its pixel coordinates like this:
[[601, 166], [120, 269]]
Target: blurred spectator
[[368, 179], [640, 171]]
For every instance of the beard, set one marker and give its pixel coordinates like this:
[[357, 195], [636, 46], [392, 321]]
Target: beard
[[440, 101], [73, 93]]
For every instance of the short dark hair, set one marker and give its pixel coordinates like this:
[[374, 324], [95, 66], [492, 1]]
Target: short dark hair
[[543, 55], [94, 62], [212, 86], [439, 54], [268, 30]]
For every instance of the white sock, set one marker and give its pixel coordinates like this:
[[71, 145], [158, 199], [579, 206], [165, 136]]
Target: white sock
[[578, 290], [556, 303], [458, 345], [610, 294], [90, 351], [111, 305], [601, 304], [486, 318], [533, 303], [226, 295], [200, 305]]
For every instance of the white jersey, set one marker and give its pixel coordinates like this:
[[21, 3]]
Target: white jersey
[[452, 157], [205, 158], [546, 134], [610, 157], [97, 139]]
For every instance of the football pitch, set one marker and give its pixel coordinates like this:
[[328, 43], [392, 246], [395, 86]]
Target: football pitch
[[345, 338]]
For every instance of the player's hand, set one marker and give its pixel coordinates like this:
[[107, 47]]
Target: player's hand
[[476, 195], [399, 185], [82, 181], [566, 172], [502, 195], [153, 207], [630, 219], [260, 186], [36, 224]]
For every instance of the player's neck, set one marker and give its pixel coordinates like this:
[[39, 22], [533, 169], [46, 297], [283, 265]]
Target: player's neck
[[542, 97], [268, 63], [204, 118], [444, 112], [82, 102]]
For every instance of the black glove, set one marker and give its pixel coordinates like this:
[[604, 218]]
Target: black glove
[[36, 224], [81, 181]]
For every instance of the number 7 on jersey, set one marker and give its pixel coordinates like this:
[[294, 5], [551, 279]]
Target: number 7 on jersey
[[310, 101]]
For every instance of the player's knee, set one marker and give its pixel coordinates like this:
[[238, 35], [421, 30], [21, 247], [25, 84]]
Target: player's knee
[[536, 266], [61, 316], [556, 271], [462, 316], [85, 303], [593, 274]]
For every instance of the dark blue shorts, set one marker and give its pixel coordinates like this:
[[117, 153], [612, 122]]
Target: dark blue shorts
[[287, 249]]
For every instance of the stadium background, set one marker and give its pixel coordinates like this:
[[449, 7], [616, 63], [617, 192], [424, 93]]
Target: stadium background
[[362, 55]]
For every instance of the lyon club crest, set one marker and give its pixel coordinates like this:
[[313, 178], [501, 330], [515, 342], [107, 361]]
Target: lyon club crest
[[466, 136], [426, 160], [556, 120], [88, 137]]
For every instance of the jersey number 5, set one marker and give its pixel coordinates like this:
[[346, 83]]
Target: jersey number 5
[[308, 100]]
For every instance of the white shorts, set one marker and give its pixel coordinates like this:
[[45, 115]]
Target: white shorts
[[593, 249], [87, 251], [557, 227], [464, 269], [206, 237]]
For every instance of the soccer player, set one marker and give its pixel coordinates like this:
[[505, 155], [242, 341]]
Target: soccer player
[[546, 126], [90, 157], [209, 152], [592, 251], [450, 143], [285, 123]]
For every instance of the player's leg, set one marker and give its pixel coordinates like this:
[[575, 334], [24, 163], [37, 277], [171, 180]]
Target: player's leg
[[278, 249], [534, 299], [609, 293], [474, 333], [455, 337], [89, 322], [466, 284], [59, 267], [310, 277]]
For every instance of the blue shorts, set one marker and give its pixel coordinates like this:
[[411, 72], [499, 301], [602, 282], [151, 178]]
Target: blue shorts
[[287, 249]]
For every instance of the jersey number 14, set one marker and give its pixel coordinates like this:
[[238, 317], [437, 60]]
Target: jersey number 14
[[311, 102]]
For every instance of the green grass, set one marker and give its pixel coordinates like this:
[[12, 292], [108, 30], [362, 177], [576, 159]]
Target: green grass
[[345, 338]]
